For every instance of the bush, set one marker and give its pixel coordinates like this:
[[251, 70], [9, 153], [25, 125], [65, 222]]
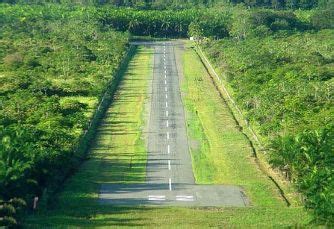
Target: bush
[[308, 158], [13, 60], [323, 19]]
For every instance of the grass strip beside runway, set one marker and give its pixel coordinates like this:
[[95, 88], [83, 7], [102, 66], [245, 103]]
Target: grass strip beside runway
[[221, 153]]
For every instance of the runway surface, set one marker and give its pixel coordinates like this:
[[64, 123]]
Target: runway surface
[[170, 179]]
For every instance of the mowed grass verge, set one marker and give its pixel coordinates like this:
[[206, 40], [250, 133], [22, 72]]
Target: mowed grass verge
[[78, 207], [221, 153]]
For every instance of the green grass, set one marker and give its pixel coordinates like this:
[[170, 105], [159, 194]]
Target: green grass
[[77, 205], [90, 101], [223, 155]]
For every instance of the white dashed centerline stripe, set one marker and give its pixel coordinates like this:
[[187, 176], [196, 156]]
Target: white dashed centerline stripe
[[167, 124], [165, 81], [165, 88], [170, 184], [156, 198], [166, 113], [168, 149], [185, 198], [166, 104], [167, 135], [168, 164]]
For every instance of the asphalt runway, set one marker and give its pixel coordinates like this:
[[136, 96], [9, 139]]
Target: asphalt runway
[[170, 179]]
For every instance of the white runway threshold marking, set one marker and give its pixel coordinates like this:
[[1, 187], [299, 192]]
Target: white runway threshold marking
[[156, 198], [170, 184], [184, 198]]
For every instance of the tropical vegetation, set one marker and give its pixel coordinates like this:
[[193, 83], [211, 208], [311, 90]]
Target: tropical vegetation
[[57, 60]]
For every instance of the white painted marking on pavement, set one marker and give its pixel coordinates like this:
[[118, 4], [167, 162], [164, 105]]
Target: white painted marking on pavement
[[166, 96], [168, 164], [168, 149], [167, 135], [166, 104], [165, 72], [170, 184], [184, 198], [166, 113], [165, 82], [156, 198], [165, 88], [167, 123]]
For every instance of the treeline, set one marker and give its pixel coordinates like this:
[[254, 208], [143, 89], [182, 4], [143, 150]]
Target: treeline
[[53, 71], [228, 21], [166, 23], [283, 4], [183, 4], [238, 22]]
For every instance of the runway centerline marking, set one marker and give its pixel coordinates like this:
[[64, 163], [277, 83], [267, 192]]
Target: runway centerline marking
[[166, 96], [165, 88], [167, 135], [166, 113], [184, 198], [165, 82], [170, 184], [166, 104], [167, 124], [156, 197], [169, 165], [168, 149]]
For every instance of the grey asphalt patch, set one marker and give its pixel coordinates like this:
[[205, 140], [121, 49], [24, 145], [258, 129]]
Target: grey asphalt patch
[[181, 195], [170, 179]]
